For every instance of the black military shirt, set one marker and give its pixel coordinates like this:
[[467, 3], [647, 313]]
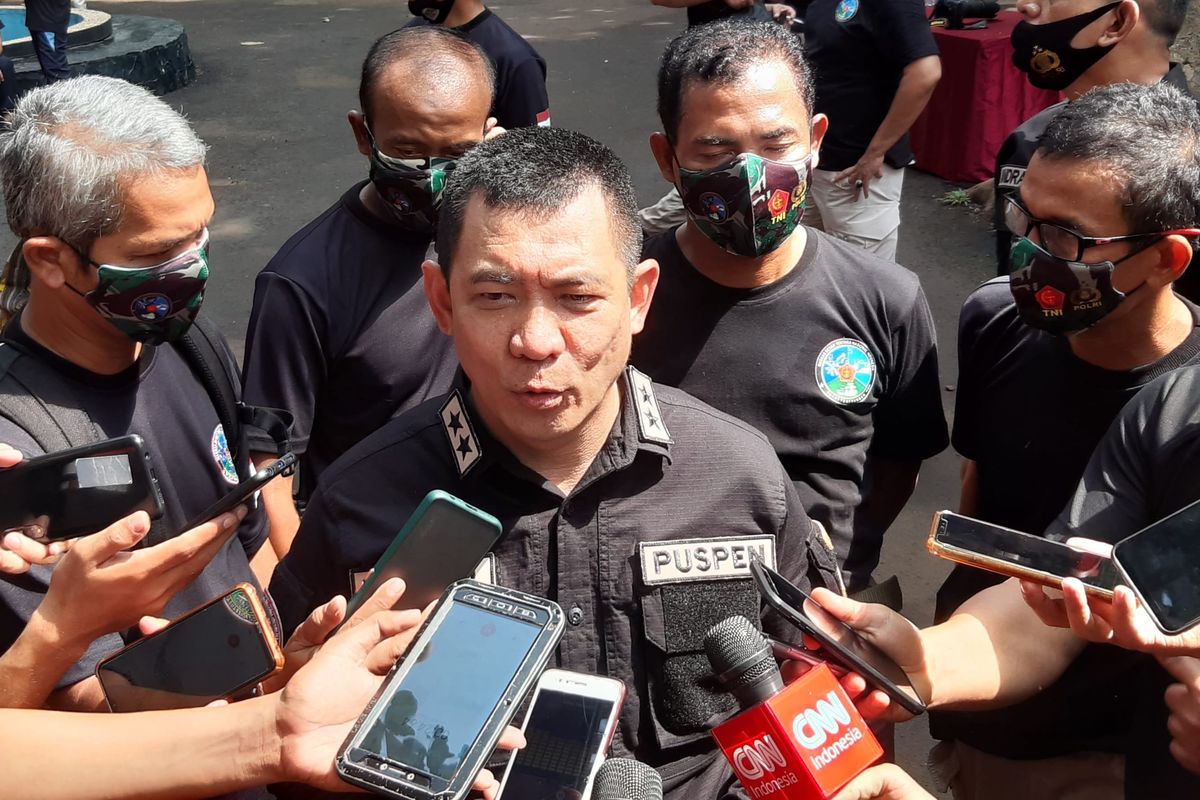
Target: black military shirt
[[521, 98], [836, 362], [1029, 413], [714, 10], [1146, 468], [1016, 153], [341, 334], [644, 555], [162, 400], [858, 50], [49, 16]]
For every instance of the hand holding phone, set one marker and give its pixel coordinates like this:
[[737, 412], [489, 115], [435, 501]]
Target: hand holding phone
[[245, 490]]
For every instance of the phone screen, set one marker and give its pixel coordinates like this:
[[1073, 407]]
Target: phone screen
[[58, 499], [433, 715], [443, 545], [1025, 550], [840, 642], [1162, 562], [565, 733], [203, 657]]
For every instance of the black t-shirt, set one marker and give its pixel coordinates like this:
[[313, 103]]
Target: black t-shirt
[[858, 50], [160, 399], [772, 355], [51, 16], [718, 9], [341, 334], [1029, 413], [630, 553], [521, 98], [1145, 468], [1015, 155]]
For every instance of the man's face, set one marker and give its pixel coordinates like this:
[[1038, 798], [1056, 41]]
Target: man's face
[[761, 112], [422, 117], [162, 216], [1079, 195], [542, 316]]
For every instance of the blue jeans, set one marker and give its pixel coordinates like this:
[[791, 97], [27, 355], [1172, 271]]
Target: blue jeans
[[51, 49]]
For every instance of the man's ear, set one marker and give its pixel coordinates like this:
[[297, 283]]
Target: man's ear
[[437, 293], [660, 146], [1174, 255], [358, 124], [641, 294], [52, 262], [820, 125], [1122, 24]]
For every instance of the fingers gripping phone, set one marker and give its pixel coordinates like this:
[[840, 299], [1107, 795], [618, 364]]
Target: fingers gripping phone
[[1161, 562], [442, 542], [79, 491], [439, 713], [1018, 555], [568, 730], [216, 651], [244, 490], [840, 643]]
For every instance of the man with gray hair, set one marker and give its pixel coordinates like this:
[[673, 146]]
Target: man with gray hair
[[1104, 223], [105, 186]]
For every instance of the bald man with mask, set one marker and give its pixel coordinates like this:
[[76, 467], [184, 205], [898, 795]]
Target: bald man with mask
[[340, 333]]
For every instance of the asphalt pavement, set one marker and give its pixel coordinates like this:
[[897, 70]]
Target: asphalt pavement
[[275, 80]]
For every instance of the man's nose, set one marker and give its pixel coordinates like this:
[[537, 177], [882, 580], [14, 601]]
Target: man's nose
[[539, 337]]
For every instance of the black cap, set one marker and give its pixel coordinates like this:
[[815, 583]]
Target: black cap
[[626, 779], [741, 657]]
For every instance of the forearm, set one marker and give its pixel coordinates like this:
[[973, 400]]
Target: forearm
[[200, 752], [892, 484], [31, 668], [916, 86], [994, 652], [280, 505]]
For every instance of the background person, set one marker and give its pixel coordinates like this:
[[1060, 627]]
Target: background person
[[47, 21]]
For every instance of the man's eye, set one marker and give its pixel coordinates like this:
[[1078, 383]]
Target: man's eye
[[580, 299]]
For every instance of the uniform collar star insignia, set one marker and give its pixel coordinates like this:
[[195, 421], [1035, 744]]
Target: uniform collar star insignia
[[464, 444], [651, 426]]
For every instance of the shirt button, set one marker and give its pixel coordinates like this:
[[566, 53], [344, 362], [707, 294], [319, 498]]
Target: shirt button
[[575, 615]]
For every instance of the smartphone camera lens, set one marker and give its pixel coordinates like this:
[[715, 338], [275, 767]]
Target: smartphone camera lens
[[234, 640]]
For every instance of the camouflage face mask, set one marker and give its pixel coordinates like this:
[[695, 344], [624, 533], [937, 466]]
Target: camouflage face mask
[[152, 304], [411, 188], [748, 206]]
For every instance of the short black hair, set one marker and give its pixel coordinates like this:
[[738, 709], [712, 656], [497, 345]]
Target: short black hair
[[1164, 17], [538, 171], [431, 51], [720, 52], [1148, 137]]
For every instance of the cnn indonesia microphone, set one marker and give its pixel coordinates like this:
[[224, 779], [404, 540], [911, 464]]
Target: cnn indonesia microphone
[[804, 741]]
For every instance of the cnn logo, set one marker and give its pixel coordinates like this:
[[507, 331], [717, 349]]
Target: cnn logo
[[812, 726], [754, 760]]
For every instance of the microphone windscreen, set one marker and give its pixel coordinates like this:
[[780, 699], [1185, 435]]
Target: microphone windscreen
[[741, 657], [626, 779]]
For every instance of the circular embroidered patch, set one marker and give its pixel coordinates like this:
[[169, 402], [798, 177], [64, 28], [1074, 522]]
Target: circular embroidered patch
[[846, 10], [221, 455], [846, 371], [151, 307], [714, 206]]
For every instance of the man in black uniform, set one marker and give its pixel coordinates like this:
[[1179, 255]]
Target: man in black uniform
[[106, 186], [876, 65], [340, 333], [1047, 358], [635, 506], [520, 97], [827, 349], [1093, 43]]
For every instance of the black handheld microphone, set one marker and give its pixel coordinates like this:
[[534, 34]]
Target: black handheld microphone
[[626, 779], [743, 660]]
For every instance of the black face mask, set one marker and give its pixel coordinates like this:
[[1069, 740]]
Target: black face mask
[[434, 11], [1045, 55]]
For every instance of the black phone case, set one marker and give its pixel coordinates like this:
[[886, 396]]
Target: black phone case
[[243, 491]]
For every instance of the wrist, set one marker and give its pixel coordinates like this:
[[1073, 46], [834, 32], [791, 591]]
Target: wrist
[[270, 739], [45, 631]]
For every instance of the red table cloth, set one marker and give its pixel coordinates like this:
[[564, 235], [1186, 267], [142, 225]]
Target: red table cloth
[[981, 98]]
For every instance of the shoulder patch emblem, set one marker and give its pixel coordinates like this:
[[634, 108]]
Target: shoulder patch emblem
[[846, 10], [222, 456], [651, 426], [464, 444], [846, 371]]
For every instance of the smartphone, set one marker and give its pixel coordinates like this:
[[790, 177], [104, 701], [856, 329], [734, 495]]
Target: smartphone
[[437, 717], [244, 490], [1018, 555], [79, 491], [568, 729], [840, 643], [221, 649], [1161, 562], [442, 542]]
